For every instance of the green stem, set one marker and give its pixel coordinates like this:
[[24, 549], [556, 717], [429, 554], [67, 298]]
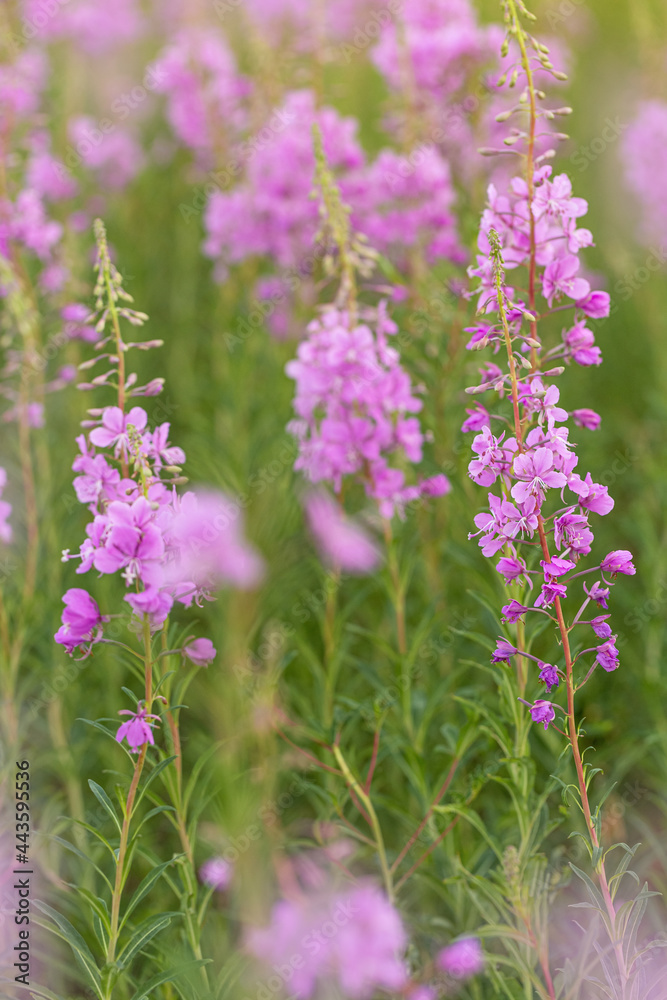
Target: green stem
[[372, 816], [120, 863], [331, 657], [129, 809], [398, 601], [192, 922]]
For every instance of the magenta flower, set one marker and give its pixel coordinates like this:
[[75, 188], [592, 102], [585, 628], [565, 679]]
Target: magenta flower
[[542, 711], [607, 655], [152, 602], [618, 561], [592, 496], [511, 568], [557, 567], [601, 627], [81, 620], [216, 873], [201, 652], [587, 418], [537, 474], [595, 305], [137, 730], [598, 593], [513, 611], [98, 480], [114, 429], [503, 652], [354, 405], [462, 959], [572, 532], [549, 675], [560, 279], [133, 543], [550, 591], [342, 543], [580, 345]]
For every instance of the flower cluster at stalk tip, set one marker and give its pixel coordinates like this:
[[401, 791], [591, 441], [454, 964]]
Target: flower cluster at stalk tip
[[540, 504], [166, 547], [355, 409], [400, 203]]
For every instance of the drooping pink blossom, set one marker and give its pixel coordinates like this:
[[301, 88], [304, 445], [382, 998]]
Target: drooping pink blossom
[[206, 533], [343, 543], [201, 652], [138, 730], [81, 620], [462, 959]]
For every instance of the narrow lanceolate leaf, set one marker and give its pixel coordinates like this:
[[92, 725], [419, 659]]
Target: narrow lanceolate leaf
[[145, 886], [36, 991], [82, 952], [167, 977], [594, 893], [75, 850], [105, 801], [96, 904], [144, 933]]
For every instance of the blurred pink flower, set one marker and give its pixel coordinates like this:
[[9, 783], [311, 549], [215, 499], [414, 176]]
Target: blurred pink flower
[[352, 938], [207, 531], [216, 873], [462, 959], [342, 543], [201, 652]]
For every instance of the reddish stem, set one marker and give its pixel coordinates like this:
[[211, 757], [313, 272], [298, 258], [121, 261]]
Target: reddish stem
[[443, 789]]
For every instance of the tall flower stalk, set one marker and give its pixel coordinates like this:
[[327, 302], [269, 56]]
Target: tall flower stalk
[[532, 229], [168, 549]]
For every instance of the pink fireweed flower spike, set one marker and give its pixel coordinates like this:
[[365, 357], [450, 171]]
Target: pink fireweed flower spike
[[355, 407], [137, 730]]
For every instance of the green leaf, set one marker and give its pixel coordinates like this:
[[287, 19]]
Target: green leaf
[[146, 885], [196, 771], [167, 977], [105, 801], [82, 952], [96, 904], [75, 850], [159, 767], [142, 934], [151, 813], [37, 991], [593, 892]]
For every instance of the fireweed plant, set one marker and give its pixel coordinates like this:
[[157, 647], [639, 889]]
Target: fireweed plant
[[168, 548], [540, 504], [354, 404]]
